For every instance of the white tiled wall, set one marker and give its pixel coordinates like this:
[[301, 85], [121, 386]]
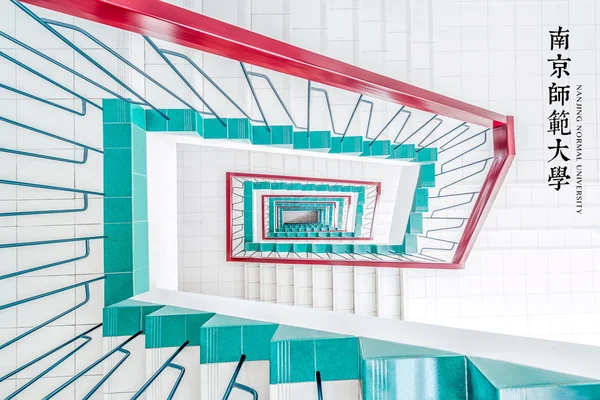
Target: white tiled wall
[[84, 129], [534, 270]]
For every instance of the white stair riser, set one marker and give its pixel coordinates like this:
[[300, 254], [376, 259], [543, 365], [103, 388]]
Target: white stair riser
[[347, 390], [216, 377], [130, 376], [188, 358]]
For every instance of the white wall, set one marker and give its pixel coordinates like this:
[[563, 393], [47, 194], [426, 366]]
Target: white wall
[[161, 152], [535, 268]]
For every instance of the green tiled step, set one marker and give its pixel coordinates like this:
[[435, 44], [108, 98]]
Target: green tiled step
[[297, 354], [316, 140], [225, 339], [408, 247], [398, 371], [171, 326], [415, 223], [186, 120], [311, 235], [426, 176], [404, 152], [346, 145], [126, 317], [497, 380], [386, 370], [378, 148]]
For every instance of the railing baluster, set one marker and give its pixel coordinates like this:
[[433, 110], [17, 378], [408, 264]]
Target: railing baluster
[[83, 335], [47, 23], [42, 295], [169, 363], [319, 386], [85, 148], [54, 264], [92, 365], [235, 385], [185, 81], [48, 187]]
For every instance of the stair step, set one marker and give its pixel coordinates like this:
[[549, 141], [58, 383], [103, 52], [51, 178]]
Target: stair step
[[280, 135], [126, 318], [171, 326], [392, 370], [415, 223], [315, 140], [496, 380], [346, 145], [404, 151], [426, 176], [427, 155], [376, 148], [298, 353]]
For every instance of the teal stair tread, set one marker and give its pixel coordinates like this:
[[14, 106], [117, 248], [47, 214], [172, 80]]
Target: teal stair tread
[[173, 310], [286, 333], [374, 348], [504, 375], [132, 303], [435, 378], [126, 317], [226, 320], [296, 354], [172, 326], [225, 339]]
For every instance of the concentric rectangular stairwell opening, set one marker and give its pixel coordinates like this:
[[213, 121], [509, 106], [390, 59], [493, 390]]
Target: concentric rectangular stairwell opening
[[189, 214], [300, 217]]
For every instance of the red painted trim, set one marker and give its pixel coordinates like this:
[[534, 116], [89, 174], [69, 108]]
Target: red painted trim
[[504, 153], [349, 263], [178, 25], [349, 198], [228, 222], [305, 178]]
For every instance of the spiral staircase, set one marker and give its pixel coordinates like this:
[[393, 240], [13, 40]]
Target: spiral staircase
[[79, 318]]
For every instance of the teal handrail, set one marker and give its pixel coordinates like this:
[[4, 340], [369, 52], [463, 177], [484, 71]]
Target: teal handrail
[[119, 348], [185, 81], [235, 385], [169, 363], [86, 284], [85, 193], [319, 386], [86, 239], [47, 23], [85, 336], [53, 82], [85, 148]]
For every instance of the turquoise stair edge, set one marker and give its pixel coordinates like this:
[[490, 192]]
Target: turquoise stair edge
[[387, 369]]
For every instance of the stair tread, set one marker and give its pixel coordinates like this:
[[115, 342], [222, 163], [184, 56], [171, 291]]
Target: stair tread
[[508, 375], [173, 310], [286, 332], [374, 348]]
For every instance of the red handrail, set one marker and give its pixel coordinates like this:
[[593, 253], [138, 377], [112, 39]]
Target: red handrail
[[178, 25]]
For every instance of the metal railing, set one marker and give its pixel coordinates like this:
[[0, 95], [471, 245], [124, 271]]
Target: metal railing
[[120, 348], [84, 207], [85, 284], [167, 364], [86, 240], [85, 336], [233, 384]]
